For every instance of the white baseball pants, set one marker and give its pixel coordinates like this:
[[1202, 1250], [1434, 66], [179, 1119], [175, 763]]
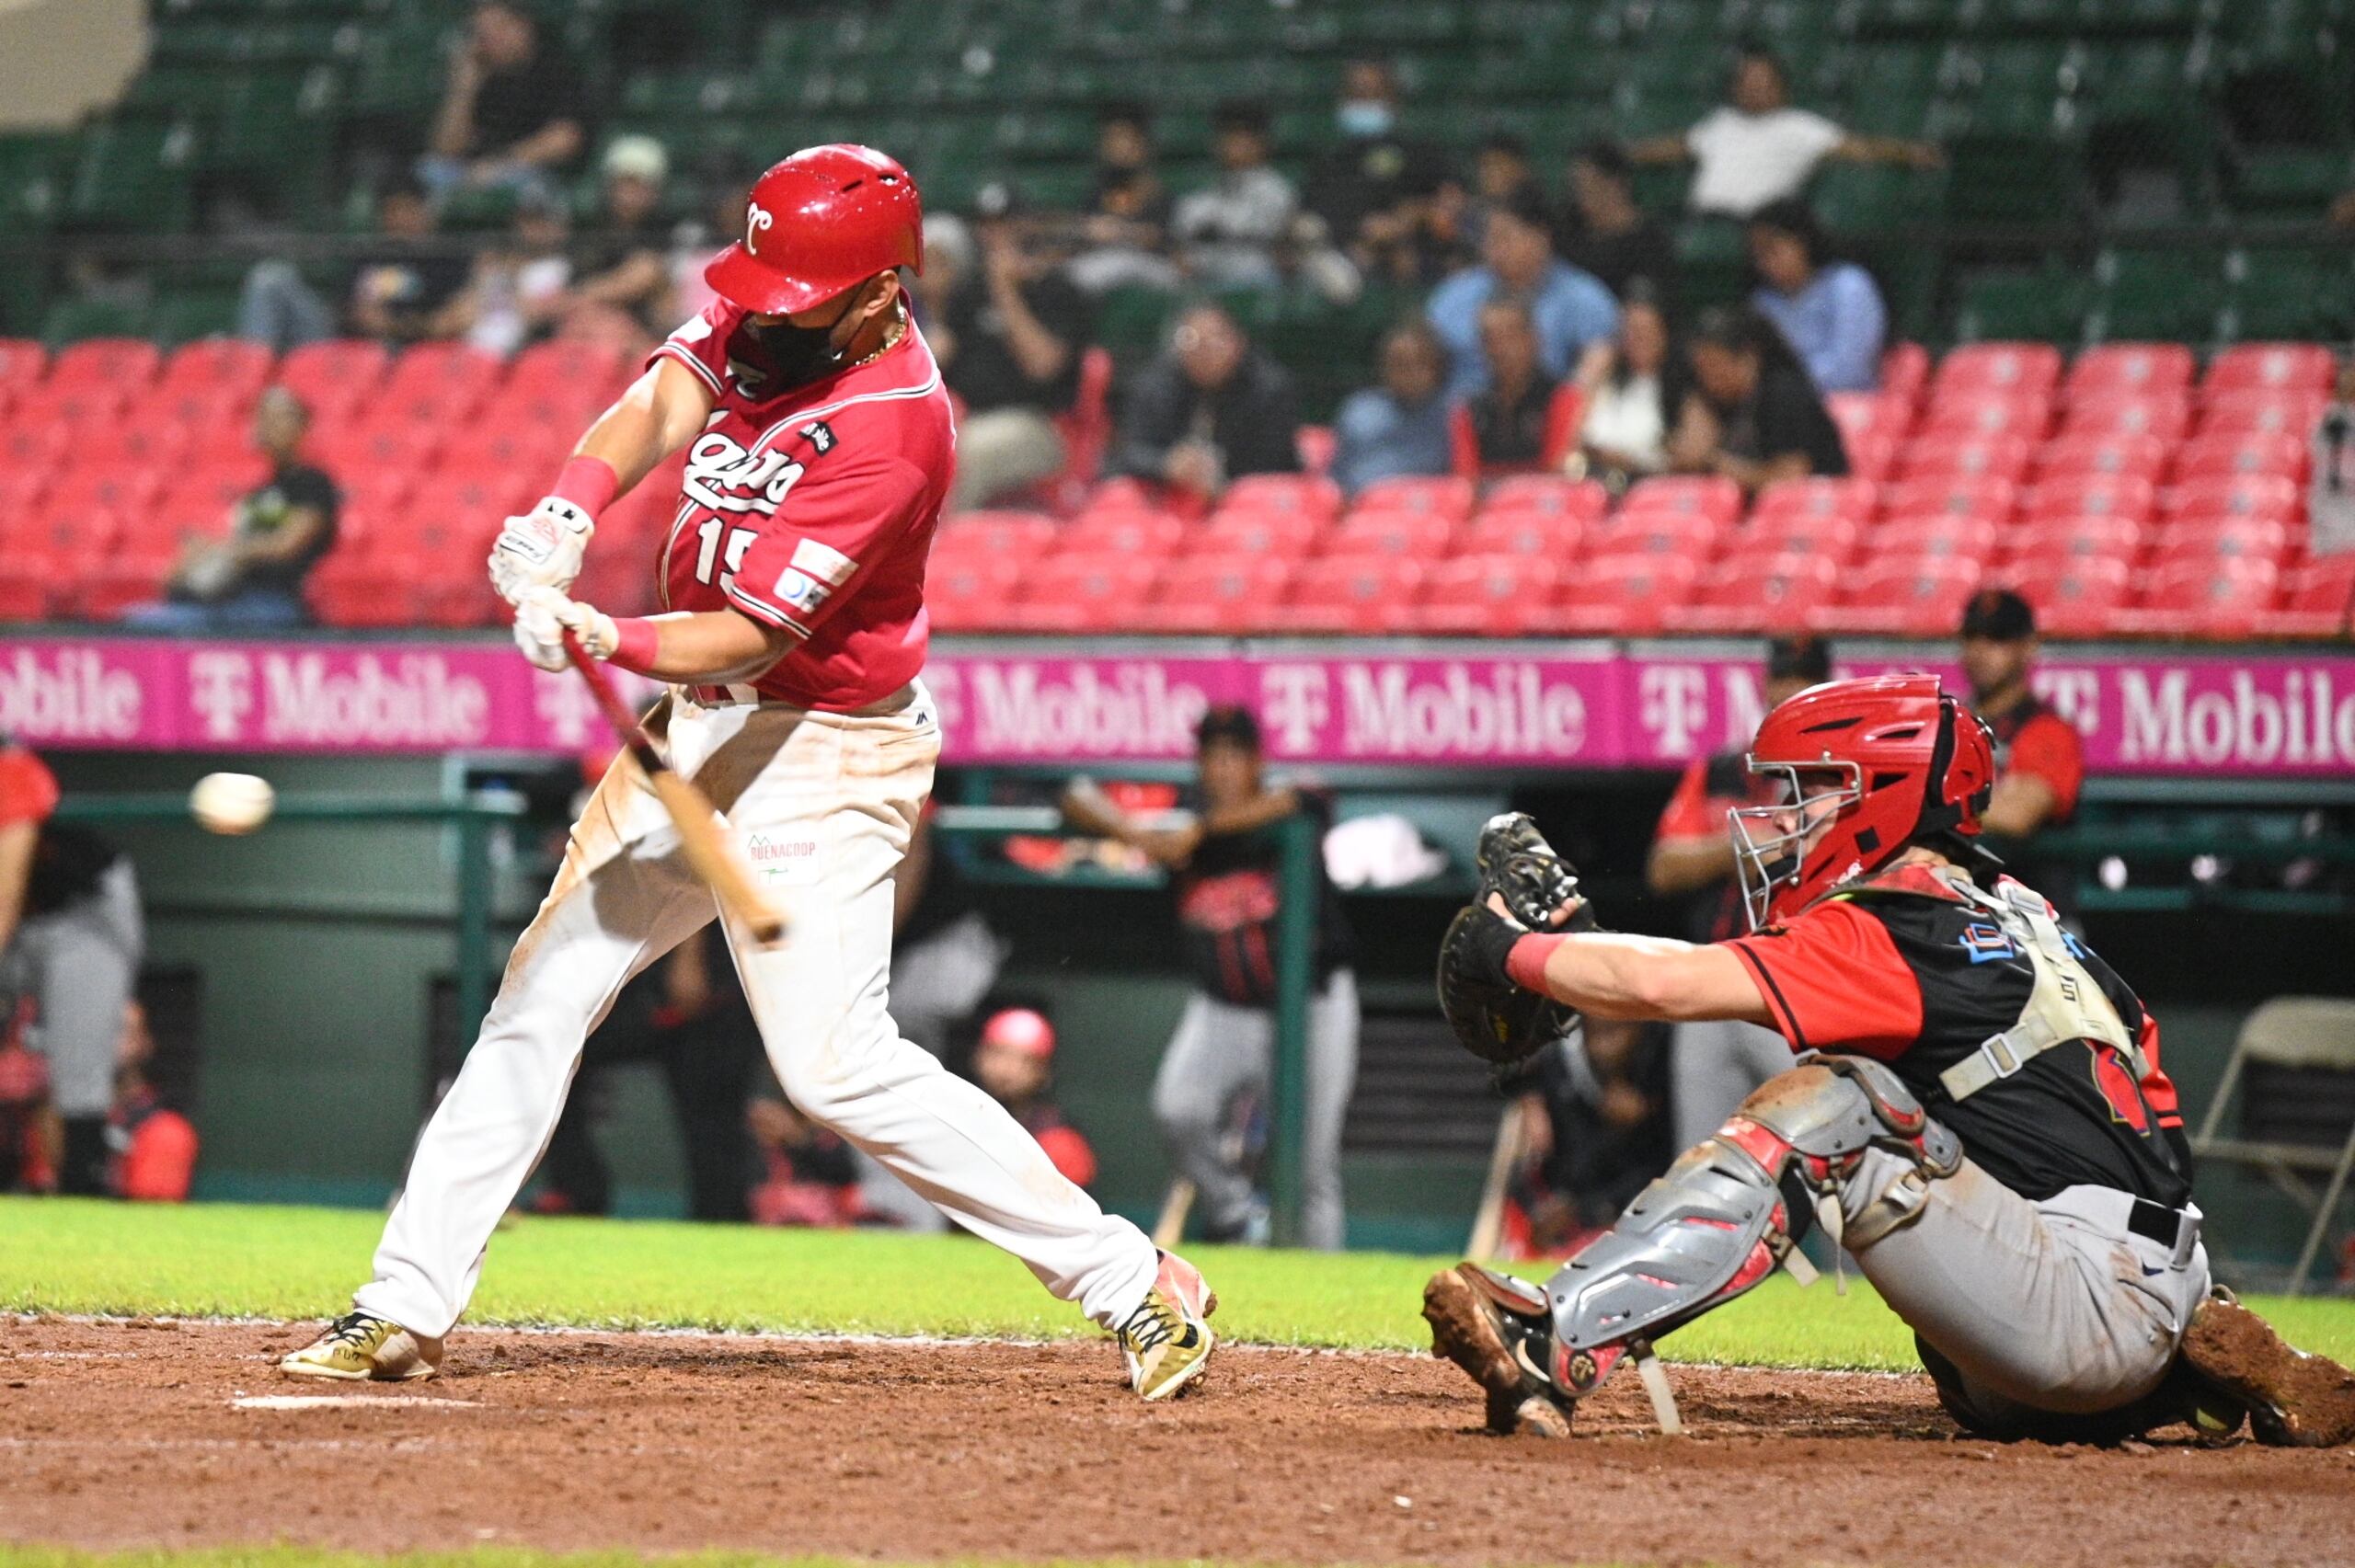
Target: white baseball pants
[[822, 806]]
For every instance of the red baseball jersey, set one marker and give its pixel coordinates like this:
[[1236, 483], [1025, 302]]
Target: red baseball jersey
[[813, 510], [27, 789]]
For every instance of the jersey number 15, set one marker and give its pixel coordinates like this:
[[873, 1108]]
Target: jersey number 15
[[708, 552]]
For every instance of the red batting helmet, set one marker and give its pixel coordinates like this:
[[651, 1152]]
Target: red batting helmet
[[825, 219], [1906, 760], [1022, 1030]]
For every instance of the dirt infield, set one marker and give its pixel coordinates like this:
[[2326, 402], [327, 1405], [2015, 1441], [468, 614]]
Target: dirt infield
[[117, 1434]]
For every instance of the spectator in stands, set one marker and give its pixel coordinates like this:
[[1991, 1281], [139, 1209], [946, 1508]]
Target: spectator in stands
[[2039, 759], [1715, 1065], [1210, 409], [1125, 234], [1606, 234], [71, 939], [512, 115], [1008, 328], [1522, 420], [1502, 176], [252, 579], [1402, 427], [693, 242], [1227, 233], [1014, 1063], [1375, 190], [1756, 148], [1568, 308], [620, 291], [1829, 311], [1633, 386], [1753, 415], [402, 293], [519, 287], [1225, 869]]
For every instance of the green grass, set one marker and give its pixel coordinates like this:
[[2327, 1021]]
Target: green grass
[[227, 1260]]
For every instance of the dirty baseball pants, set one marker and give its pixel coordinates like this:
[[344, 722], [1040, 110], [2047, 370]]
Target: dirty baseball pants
[[820, 806], [1220, 1050]]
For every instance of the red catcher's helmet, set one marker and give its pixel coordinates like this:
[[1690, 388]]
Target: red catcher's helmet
[[1904, 759], [825, 219]]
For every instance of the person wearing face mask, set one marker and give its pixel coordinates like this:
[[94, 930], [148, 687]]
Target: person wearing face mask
[[1374, 190], [818, 448]]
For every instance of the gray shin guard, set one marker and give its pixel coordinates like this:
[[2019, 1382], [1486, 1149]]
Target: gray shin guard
[[1730, 1207]]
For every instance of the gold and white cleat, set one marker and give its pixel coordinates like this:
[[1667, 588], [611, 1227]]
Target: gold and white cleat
[[358, 1347], [1166, 1341]]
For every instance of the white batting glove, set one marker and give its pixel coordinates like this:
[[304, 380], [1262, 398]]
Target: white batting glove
[[538, 634], [590, 626], [542, 548]]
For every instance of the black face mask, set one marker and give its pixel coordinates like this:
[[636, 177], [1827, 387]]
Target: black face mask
[[794, 356]]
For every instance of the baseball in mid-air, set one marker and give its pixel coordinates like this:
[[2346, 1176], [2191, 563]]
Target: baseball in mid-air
[[231, 803]]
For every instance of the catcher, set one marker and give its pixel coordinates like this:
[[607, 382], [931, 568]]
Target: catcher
[[1978, 1117]]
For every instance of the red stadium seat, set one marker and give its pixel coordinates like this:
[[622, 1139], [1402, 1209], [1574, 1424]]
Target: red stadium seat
[[1950, 496], [20, 490], [2117, 454], [2220, 455], [1556, 536], [211, 488], [2319, 601], [1851, 498], [1022, 536], [23, 361], [2137, 368], [103, 488], [2255, 495], [1933, 538], [1623, 595], [1656, 533], [1904, 372], [2075, 599], [1487, 595], [1444, 496], [1548, 494], [1250, 530], [1422, 535], [1772, 594], [334, 375], [2041, 544], [2271, 367], [121, 362], [569, 362], [230, 365], [408, 444], [1365, 594], [2089, 495], [1316, 445], [1719, 500], [2221, 539], [1312, 494], [440, 381], [139, 442], [1872, 453], [1862, 413], [2222, 599], [45, 557], [479, 500], [1207, 594], [84, 405], [1147, 535], [530, 450], [1918, 596], [1072, 592], [968, 593], [2263, 413], [28, 444], [2164, 415], [1985, 414], [2029, 369], [1947, 456], [1795, 533]]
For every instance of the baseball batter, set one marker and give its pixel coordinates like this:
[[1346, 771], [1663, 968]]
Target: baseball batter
[[818, 448], [1980, 1118]]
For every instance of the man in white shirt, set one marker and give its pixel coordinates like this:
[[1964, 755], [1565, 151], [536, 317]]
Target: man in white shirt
[[1757, 148]]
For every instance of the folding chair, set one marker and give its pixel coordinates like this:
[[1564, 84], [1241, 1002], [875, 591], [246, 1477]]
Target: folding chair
[[2297, 1115]]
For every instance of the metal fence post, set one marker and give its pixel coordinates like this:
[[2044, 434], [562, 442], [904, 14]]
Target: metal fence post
[[1295, 979]]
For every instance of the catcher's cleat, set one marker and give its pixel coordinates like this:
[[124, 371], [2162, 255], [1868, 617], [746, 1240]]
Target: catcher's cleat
[[2295, 1400], [1501, 1330], [358, 1347], [1166, 1341]]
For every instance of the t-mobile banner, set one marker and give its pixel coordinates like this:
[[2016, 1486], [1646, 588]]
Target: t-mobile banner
[[1652, 705]]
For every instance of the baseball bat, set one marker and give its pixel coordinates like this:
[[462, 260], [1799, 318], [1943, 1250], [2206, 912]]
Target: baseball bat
[[707, 854], [1504, 1156], [1170, 1229]]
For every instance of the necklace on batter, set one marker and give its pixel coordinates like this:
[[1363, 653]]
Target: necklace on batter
[[891, 336]]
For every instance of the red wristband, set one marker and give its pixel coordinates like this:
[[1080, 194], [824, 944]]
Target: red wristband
[[1525, 963], [635, 643], [587, 483]]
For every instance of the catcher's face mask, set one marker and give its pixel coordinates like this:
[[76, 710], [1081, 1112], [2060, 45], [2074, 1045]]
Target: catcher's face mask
[[1770, 842]]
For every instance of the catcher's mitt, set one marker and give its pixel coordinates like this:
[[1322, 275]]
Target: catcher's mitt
[[1494, 1018]]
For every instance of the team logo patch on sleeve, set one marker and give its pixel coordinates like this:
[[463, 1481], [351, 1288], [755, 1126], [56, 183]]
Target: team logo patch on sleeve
[[820, 435], [801, 591], [823, 562], [1985, 944]]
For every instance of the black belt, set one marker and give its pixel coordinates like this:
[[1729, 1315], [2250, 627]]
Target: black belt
[[2157, 1222]]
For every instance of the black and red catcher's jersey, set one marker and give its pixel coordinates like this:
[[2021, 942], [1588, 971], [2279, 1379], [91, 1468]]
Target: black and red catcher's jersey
[[813, 510], [1901, 970]]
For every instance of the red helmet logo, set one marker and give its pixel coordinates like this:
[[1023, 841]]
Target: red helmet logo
[[1867, 767], [823, 220]]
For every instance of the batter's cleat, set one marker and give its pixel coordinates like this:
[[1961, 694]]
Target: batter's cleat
[[1501, 1329], [358, 1347], [1166, 1341], [2295, 1400]]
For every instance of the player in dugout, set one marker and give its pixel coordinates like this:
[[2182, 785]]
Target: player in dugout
[[2039, 760], [1978, 1115]]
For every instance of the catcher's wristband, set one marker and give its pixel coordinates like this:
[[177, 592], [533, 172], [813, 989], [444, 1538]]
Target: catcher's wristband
[[636, 645], [1525, 963], [589, 483]]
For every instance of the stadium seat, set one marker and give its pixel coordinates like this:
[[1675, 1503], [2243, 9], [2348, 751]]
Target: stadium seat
[[138, 441], [2042, 544], [1871, 426], [1917, 596], [1949, 495], [102, 487], [1235, 530], [2199, 539], [2231, 454], [967, 591], [1850, 498], [1952, 456], [2288, 413], [2318, 601], [1556, 537], [438, 381], [2075, 454], [1976, 414], [28, 445], [1021, 536], [1443, 497], [2017, 368], [1368, 595], [1623, 595], [1932, 538], [409, 444], [478, 501], [1793, 533], [333, 375], [1871, 453], [2271, 368], [1548, 494], [228, 364], [1656, 533], [570, 362], [530, 450], [2075, 599], [1206, 594], [1146, 535], [121, 362], [2133, 368], [1772, 594], [1072, 592], [1312, 495], [2221, 598], [23, 362], [1904, 373], [2166, 415], [1389, 531], [2251, 494], [1717, 500], [2089, 495], [1487, 595], [219, 483]]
